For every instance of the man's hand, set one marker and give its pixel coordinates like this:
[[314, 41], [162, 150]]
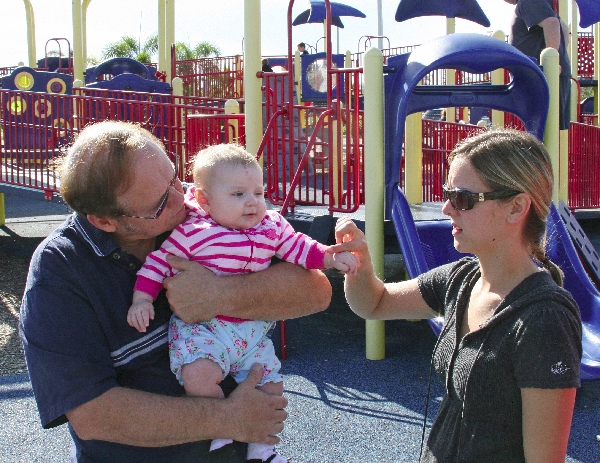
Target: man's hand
[[194, 291], [259, 416]]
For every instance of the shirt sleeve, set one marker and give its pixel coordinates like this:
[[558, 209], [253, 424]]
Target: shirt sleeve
[[296, 247], [548, 348], [156, 268], [534, 12]]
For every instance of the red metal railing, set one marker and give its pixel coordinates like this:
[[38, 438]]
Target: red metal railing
[[35, 126], [439, 139], [584, 166], [204, 130], [585, 55], [315, 156], [220, 77]]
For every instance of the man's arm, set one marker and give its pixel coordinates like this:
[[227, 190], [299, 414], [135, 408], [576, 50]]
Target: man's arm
[[138, 418], [282, 291], [551, 27]]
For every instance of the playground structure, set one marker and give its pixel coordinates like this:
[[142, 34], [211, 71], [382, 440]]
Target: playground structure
[[315, 154]]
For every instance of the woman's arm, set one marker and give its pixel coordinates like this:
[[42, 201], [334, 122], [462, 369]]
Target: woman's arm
[[282, 291], [367, 295], [547, 415]]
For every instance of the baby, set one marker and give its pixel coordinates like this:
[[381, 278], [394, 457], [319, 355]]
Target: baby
[[229, 231]]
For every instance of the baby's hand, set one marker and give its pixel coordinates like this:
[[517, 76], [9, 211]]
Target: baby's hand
[[139, 315], [345, 262]]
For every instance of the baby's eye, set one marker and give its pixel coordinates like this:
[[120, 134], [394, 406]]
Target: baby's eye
[[238, 194], [260, 194]]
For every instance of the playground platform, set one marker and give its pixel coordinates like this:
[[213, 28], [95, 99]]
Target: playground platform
[[342, 407]]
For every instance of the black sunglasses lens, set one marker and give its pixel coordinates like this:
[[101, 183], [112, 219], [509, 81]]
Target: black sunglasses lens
[[461, 200]]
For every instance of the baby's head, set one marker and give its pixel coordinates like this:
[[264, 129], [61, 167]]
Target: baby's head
[[229, 186]]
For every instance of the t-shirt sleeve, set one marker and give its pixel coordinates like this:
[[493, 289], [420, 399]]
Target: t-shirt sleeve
[[548, 348], [534, 12], [435, 284]]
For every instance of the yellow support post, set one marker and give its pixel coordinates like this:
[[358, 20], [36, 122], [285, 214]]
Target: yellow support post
[[498, 79], [413, 158], [2, 212], [550, 65], [84, 8], [169, 35], [450, 73], [374, 185], [30, 18], [78, 65], [252, 84]]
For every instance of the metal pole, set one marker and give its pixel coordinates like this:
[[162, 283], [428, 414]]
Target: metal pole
[[374, 185], [252, 84], [550, 65]]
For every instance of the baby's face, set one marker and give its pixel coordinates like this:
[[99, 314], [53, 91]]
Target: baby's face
[[236, 196]]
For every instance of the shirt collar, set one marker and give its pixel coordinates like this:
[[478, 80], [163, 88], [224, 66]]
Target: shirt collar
[[101, 242]]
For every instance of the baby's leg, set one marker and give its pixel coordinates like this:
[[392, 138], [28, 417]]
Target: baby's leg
[[265, 452], [202, 378]]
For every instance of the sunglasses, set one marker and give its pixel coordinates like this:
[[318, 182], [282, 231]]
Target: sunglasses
[[165, 198], [464, 200]]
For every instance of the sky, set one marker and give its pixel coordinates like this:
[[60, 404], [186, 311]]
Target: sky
[[221, 22]]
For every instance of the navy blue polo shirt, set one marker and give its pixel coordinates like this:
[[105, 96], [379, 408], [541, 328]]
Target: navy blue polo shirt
[[78, 344]]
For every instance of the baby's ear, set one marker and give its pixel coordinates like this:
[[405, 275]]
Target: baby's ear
[[201, 198]]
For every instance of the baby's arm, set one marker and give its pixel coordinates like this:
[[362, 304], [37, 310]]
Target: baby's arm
[[141, 311], [345, 262]]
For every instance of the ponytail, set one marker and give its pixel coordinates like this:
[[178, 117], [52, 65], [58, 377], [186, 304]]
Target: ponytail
[[555, 272]]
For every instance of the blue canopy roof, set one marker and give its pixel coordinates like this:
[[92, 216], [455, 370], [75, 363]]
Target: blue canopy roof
[[465, 9], [318, 13], [589, 12]]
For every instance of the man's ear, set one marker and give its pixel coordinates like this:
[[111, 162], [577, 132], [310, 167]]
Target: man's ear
[[519, 209], [202, 199], [107, 224]]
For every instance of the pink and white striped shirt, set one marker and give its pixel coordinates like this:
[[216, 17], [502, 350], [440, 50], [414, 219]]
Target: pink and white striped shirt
[[227, 251]]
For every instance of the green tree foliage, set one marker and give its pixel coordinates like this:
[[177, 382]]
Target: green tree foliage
[[129, 47]]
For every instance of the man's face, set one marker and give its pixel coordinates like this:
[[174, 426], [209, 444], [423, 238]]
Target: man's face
[[301, 48], [152, 179]]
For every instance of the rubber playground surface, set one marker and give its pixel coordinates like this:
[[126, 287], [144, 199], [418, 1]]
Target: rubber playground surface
[[342, 407]]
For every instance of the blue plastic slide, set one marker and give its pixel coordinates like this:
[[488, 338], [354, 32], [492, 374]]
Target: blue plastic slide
[[427, 244]]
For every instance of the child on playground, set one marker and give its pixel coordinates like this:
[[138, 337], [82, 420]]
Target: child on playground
[[228, 230]]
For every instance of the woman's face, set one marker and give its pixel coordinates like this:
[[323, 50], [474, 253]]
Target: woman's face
[[478, 230]]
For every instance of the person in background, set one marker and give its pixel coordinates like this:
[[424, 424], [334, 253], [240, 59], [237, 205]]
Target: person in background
[[510, 347], [535, 27], [265, 66], [302, 48], [228, 230], [88, 367]]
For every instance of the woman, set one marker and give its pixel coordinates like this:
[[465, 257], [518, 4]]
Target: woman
[[510, 347]]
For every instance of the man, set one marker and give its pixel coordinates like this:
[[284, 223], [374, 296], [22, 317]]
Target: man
[[87, 365], [535, 27], [302, 48]]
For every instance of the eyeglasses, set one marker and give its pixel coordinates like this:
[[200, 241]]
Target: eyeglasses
[[464, 200], [165, 198]]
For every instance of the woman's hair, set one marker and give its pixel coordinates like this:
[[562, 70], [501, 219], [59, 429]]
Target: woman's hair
[[508, 159], [207, 159], [97, 168]]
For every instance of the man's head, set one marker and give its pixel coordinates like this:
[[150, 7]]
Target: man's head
[[120, 172], [301, 47]]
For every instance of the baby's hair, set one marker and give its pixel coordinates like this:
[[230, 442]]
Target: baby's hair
[[207, 159]]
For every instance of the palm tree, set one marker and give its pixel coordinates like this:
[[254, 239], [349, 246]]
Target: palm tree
[[128, 47]]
